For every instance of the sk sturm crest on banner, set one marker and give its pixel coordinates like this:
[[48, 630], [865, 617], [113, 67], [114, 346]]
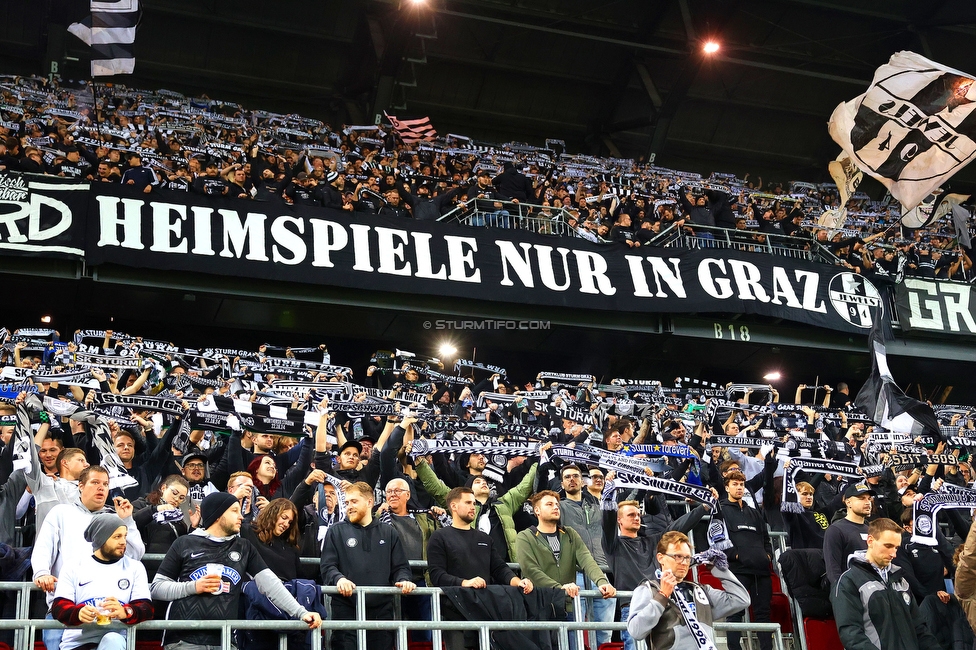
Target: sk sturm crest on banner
[[913, 128]]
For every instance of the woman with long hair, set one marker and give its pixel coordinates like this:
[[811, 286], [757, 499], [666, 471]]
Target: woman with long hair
[[159, 517], [275, 534]]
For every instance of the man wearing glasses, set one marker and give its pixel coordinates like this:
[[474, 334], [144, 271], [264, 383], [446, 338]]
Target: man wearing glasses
[[195, 471], [414, 529], [630, 546], [672, 613], [580, 511]]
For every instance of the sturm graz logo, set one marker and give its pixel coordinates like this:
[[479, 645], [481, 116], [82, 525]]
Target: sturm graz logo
[[855, 299]]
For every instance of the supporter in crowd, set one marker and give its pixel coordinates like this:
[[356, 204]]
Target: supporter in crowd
[[159, 515], [60, 540], [750, 555], [551, 556], [660, 613], [104, 584], [629, 547], [461, 556], [850, 534], [580, 511], [361, 551], [202, 574], [925, 567], [872, 601]]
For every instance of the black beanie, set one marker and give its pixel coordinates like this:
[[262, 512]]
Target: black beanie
[[213, 506]]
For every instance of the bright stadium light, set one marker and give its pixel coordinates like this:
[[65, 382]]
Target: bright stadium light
[[45, 319], [447, 351], [711, 47], [772, 376]]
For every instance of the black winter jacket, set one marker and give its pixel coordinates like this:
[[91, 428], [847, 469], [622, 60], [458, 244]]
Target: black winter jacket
[[890, 620], [752, 550]]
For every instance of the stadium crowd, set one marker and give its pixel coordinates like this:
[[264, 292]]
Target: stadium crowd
[[235, 464], [157, 141]]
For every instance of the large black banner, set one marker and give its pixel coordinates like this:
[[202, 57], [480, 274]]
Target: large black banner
[[313, 245], [42, 215], [936, 306]]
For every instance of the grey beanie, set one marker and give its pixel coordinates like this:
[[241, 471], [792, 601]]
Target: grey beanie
[[101, 528]]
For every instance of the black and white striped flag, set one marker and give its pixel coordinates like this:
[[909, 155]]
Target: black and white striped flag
[[110, 31]]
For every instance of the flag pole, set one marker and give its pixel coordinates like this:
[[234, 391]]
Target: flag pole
[[816, 385]]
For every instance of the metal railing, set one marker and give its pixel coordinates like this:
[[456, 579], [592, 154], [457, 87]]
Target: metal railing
[[483, 213], [748, 241], [25, 628]]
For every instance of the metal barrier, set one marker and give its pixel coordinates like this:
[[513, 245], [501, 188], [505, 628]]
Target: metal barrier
[[482, 213], [25, 628], [743, 240]]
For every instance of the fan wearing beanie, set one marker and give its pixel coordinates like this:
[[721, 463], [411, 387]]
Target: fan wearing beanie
[[106, 582], [203, 574]]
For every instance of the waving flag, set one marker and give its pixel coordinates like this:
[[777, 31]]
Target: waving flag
[[886, 404], [913, 128], [412, 131], [110, 31]]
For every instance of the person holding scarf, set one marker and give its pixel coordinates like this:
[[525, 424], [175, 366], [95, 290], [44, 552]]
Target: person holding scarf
[[672, 613]]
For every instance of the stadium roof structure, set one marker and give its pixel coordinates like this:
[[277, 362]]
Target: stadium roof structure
[[610, 77]]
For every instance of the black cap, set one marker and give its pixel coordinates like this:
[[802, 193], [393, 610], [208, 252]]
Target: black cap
[[857, 489], [351, 443], [194, 454]]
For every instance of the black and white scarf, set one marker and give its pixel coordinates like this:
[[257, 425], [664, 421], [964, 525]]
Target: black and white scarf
[[106, 361], [566, 377], [141, 402], [790, 502], [718, 533], [464, 363], [899, 462], [584, 455], [425, 446], [338, 514], [688, 613], [927, 509]]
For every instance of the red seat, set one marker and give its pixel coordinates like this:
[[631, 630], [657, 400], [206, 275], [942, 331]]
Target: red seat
[[705, 577], [780, 612], [822, 634], [612, 646]]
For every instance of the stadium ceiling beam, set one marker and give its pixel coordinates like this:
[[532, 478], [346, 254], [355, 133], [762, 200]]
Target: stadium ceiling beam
[[549, 73], [503, 118], [749, 152], [245, 81], [646, 120], [649, 47], [554, 17], [206, 17], [650, 20], [854, 10]]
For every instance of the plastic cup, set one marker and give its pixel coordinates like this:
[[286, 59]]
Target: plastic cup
[[214, 569]]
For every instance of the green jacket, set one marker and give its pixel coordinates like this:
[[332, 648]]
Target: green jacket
[[505, 506], [539, 564]]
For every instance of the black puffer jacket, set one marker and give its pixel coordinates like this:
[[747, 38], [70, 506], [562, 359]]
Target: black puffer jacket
[[752, 550]]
